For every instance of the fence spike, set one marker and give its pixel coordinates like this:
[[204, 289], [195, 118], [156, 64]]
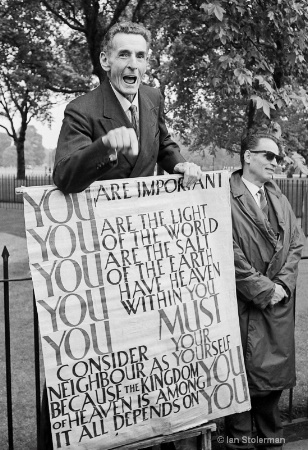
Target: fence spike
[[7, 341], [5, 254]]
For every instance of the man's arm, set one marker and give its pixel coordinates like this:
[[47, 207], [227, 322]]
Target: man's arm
[[79, 160], [254, 286], [260, 289]]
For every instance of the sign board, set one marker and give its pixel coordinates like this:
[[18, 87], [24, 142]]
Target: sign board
[[135, 292]]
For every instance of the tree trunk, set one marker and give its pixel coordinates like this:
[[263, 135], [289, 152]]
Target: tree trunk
[[21, 169], [20, 148]]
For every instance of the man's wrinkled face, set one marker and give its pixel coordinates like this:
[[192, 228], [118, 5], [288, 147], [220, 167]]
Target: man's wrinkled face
[[258, 167], [126, 63]]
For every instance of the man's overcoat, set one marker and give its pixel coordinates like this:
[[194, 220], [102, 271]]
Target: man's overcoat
[[262, 259]]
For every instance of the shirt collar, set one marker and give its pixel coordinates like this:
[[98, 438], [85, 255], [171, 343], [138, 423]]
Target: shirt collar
[[123, 100], [253, 188]]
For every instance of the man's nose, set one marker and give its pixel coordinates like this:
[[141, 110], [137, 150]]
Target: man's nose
[[132, 63], [274, 161]]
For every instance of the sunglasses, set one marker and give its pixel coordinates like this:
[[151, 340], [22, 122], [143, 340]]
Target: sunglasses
[[269, 155]]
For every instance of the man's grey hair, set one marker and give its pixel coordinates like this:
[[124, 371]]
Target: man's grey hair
[[127, 28]]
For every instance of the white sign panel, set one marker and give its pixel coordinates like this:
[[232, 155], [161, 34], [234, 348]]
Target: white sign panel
[[135, 292]]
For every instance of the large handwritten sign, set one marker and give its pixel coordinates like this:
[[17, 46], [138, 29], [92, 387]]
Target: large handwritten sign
[[135, 291]]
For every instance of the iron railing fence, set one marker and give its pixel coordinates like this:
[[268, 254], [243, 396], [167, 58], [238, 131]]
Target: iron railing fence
[[296, 191], [36, 349], [9, 183]]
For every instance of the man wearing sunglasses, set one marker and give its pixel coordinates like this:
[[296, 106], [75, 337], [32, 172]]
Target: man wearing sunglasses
[[267, 250]]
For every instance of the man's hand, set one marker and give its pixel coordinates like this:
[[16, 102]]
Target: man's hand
[[192, 173], [279, 295], [122, 140]]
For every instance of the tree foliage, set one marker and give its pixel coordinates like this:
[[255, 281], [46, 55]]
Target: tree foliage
[[235, 61], [295, 126], [5, 142], [34, 150], [210, 58]]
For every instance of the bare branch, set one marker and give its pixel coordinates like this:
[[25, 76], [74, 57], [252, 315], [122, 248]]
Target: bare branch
[[66, 91], [118, 11], [137, 10], [7, 130], [78, 25], [255, 45]]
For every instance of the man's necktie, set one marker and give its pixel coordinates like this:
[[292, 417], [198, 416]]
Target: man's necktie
[[135, 120], [263, 203]]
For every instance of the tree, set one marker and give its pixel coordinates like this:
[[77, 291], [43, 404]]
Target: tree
[[9, 157], [295, 125], [234, 60], [221, 65], [34, 150], [4, 144], [32, 66]]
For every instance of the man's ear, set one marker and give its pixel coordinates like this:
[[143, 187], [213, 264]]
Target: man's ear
[[247, 156], [103, 58]]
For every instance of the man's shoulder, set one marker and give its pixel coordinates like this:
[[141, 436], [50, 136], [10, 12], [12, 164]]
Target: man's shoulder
[[87, 97], [273, 187], [153, 93], [237, 187]]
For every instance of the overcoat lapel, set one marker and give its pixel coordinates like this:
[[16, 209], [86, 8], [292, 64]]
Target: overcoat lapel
[[249, 205], [274, 198], [113, 114]]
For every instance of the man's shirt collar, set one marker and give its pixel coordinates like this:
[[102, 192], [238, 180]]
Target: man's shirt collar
[[253, 189], [124, 102]]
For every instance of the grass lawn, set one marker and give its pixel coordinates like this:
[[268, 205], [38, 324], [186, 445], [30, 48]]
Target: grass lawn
[[21, 314]]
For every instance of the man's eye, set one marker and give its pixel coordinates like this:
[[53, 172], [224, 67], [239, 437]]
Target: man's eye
[[141, 56], [124, 55]]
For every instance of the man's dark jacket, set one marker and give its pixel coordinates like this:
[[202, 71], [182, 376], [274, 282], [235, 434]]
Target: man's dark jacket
[[81, 158], [260, 261]]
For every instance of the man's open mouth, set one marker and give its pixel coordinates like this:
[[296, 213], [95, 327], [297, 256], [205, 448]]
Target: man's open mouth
[[130, 79]]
